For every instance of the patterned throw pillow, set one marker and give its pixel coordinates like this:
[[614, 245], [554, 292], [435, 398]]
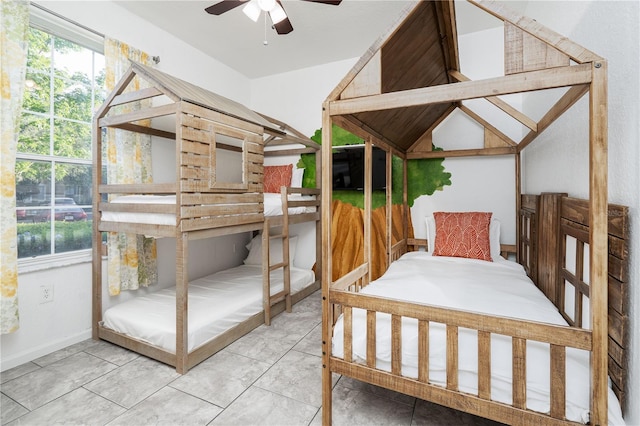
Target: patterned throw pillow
[[463, 235], [276, 177]]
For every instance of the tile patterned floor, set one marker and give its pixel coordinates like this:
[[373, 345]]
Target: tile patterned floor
[[271, 376]]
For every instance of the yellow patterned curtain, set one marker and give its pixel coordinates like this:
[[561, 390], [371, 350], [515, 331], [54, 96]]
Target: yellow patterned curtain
[[14, 27], [132, 258]]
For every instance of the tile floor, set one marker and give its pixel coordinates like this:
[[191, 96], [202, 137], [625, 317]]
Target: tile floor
[[269, 377]]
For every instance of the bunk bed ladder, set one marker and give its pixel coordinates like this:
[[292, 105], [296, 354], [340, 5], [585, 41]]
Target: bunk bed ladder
[[268, 299]]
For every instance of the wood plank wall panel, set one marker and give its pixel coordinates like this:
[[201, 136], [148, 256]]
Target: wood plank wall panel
[[407, 62], [548, 250], [523, 52], [202, 206], [573, 217]]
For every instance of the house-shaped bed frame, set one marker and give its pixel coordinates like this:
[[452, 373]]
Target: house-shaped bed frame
[[399, 91], [202, 125]]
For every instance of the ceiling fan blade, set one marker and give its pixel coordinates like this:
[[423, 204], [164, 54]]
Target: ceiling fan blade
[[331, 2], [284, 26], [224, 6]]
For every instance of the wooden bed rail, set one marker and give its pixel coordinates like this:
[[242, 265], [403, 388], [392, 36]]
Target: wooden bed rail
[[520, 331]]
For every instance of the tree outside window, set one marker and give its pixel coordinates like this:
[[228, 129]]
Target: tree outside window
[[64, 87]]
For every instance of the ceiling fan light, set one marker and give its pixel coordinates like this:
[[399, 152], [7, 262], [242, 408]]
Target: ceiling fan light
[[277, 14], [266, 5], [252, 10]]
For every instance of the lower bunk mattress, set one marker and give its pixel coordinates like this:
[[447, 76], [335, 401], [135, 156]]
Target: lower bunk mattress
[[217, 303], [499, 288]]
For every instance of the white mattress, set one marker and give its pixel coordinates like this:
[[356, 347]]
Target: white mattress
[[216, 303], [495, 288], [272, 207]]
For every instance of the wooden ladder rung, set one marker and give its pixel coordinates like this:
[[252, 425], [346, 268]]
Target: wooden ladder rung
[[277, 266], [277, 297], [276, 236]]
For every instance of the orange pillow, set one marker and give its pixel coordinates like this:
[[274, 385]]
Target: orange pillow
[[463, 235], [276, 177]]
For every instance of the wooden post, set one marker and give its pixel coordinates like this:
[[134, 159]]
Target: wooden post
[[389, 195], [327, 323], [368, 149], [598, 122], [182, 303], [96, 258]]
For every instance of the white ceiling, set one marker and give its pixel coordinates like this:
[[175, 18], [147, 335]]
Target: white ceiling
[[322, 33]]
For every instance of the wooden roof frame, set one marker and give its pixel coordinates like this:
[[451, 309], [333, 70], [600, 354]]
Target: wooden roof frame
[[360, 96]]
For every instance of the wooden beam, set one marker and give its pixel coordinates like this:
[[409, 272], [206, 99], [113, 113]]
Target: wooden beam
[[146, 130], [576, 52], [517, 83], [138, 95], [514, 113], [598, 245], [462, 153], [137, 115], [564, 103], [486, 125]]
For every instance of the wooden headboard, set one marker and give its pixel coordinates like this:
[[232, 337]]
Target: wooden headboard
[[553, 248]]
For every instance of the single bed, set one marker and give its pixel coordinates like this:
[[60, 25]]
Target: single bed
[[501, 289], [217, 303]]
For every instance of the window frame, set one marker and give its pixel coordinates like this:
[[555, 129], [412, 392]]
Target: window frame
[[56, 25]]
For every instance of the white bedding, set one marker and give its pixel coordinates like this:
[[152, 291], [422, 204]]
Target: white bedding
[[496, 288], [216, 303], [272, 207]]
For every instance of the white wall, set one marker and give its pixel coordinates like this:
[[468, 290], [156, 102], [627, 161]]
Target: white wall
[[611, 30], [67, 320]]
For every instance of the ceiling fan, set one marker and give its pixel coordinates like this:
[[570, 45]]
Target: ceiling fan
[[253, 8]]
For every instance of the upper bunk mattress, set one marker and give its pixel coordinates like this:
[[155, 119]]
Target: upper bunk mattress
[[272, 207], [499, 288], [217, 303]]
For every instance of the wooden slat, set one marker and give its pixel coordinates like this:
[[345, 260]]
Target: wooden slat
[[484, 365], [348, 333], [423, 351], [138, 188], [396, 344], [220, 210], [452, 357], [371, 339], [517, 83], [519, 359], [217, 222], [189, 108], [196, 199], [558, 381]]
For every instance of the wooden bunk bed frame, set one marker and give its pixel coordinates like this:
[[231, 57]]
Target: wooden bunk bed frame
[[401, 89], [204, 207]]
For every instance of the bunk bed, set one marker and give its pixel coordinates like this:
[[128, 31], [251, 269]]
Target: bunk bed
[[409, 331], [219, 189]]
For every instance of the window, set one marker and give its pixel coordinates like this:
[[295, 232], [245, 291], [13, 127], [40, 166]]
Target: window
[[64, 87]]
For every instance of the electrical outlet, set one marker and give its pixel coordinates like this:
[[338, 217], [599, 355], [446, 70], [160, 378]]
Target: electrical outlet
[[46, 293]]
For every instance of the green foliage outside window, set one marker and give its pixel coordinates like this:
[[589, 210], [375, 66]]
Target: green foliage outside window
[[64, 85]]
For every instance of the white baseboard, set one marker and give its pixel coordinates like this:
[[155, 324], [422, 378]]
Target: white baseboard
[[23, 357]]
